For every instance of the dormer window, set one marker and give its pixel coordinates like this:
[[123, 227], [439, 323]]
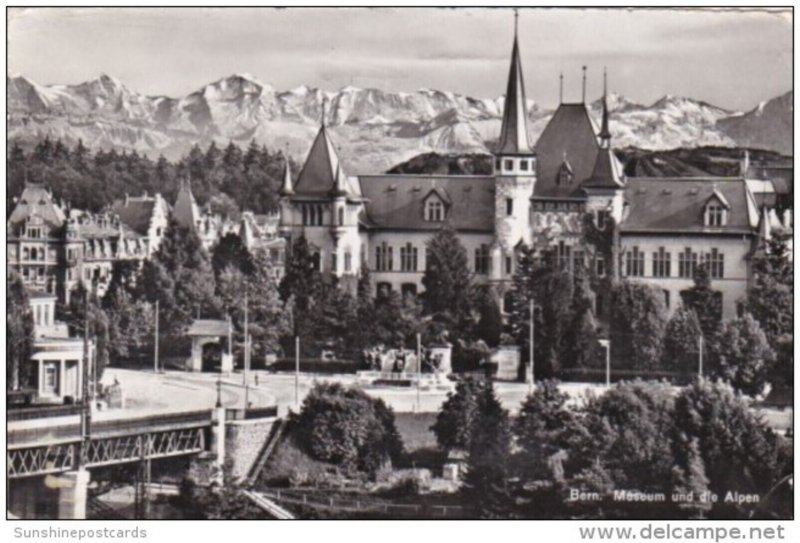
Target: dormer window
[[434, 210], [716, 214], [564, 174]]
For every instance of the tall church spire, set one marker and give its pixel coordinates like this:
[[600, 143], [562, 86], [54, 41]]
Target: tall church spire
[[514, 131], [605, 133]]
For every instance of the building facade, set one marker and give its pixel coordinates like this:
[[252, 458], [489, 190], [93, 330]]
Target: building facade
[[537, 194], [54, 248], [57, 359]]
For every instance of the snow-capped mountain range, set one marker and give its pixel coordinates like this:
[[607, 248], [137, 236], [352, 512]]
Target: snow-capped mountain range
[[374, 129]]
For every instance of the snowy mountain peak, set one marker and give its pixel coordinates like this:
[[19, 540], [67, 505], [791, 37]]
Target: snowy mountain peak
[[376, 128]]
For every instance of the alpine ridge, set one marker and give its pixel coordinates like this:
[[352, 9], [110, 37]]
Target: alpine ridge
[[374, 129]]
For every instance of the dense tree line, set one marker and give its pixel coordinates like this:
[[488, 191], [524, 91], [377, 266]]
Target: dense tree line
[[638, 436], [228, 180]]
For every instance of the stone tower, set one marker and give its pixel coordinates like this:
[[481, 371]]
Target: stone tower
[[515, 173]]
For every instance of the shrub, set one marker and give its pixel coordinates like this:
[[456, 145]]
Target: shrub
[[346, 427]]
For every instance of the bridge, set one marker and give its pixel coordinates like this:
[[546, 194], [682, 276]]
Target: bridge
[[55, 445], [49, 458]]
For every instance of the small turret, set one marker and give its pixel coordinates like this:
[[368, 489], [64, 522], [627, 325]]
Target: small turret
[[287, 189]]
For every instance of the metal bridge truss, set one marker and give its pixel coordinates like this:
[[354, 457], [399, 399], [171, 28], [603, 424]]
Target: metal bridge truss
[[103, 451]]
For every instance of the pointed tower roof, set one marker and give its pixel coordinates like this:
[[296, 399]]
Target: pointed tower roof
[[185, 210], [514, 132], [286, 187], [607, 171], [322, 167], [605, 133]]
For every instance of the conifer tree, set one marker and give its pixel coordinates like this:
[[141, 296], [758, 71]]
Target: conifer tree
[[486, 482], [681, 344], [19, 334], [447, 282]]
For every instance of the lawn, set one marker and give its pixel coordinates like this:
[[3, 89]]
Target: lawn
[[415, 430]]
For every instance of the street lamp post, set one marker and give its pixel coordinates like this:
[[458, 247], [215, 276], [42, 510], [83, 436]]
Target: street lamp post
[[155, 343], [419, 368], [607, 344], [246, 353], [531, 377], [297, 370], [700, 355]]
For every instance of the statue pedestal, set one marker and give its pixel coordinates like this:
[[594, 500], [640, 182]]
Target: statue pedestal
[[226, 363]]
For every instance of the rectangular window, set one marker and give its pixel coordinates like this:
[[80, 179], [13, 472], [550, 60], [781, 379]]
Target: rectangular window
[[661, 263], [334, 268], [50, 378], [434, 210], [523, 165], [687, 263], [716, 264], [509, 206], [666, 298], [348, 261], [498, 164], [578, 260], [508, 265], [408, 258], [383, 257], [509, 165], [715, 215], [563, 254], [482, 259], [634, 263], [600, 266]]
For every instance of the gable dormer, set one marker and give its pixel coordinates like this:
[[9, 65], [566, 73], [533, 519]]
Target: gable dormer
[[435, 205], [565, 174], [715, 212]]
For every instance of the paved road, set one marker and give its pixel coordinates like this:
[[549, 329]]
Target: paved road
[[147, 391], [180, 391]]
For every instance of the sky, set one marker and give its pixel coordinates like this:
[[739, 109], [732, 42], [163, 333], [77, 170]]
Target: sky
[[733, 59]]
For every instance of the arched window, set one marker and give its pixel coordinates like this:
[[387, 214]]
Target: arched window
[[383, 289], [408, 290]]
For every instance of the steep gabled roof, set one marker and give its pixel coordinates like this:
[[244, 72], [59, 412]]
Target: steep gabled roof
[[716, 194], [570, 131], [514, 131], [397, 201], [136, 212], [440, 193], [37, 200], [678, 204]]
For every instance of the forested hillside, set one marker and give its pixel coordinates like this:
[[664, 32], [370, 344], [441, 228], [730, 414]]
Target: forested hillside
[[227, 179]]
